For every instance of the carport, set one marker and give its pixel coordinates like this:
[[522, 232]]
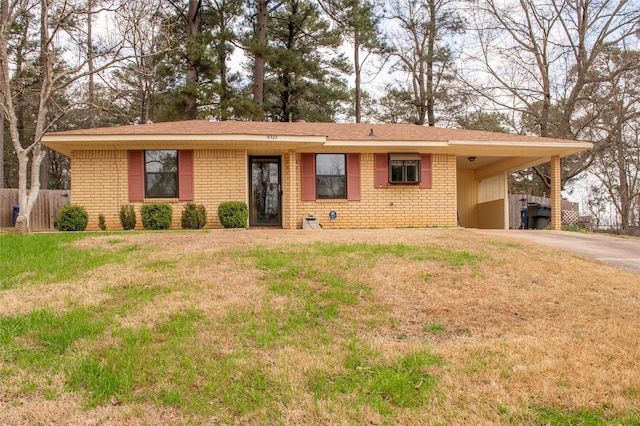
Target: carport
[[483, 176]]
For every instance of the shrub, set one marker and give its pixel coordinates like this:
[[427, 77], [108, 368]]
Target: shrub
[[127, 217], [72, 217], [233, 214], [156, 216], [194, 216], [101, 222]]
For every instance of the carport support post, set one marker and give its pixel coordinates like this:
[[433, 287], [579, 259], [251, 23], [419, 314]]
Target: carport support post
[[556, 188]]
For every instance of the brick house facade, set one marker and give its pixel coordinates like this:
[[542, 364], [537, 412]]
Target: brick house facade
[[346, 175]]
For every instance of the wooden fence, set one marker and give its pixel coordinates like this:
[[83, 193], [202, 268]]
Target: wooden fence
[[515, 204], [44, 213]]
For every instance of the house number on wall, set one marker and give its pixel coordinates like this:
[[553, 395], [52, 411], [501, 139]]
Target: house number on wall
[[272, 136]]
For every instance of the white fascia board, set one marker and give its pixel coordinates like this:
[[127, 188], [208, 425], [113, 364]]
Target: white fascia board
[[536, 144], [416, 144], [182, 137]]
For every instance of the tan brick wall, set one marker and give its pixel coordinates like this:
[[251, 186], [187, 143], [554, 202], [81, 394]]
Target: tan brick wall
[[395, 206], [291, 191], [100, 184], [220, 175]]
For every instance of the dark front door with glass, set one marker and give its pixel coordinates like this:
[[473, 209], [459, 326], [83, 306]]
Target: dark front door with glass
[[265, 201]]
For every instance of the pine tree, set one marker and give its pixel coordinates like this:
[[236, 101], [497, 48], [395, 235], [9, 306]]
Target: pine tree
[[304, 76]]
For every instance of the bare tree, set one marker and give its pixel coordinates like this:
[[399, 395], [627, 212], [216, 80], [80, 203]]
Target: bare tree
[[420, 49], [538, 60], [54, 18], [617, 162], [395, 106], [360, 25], [146, 32]]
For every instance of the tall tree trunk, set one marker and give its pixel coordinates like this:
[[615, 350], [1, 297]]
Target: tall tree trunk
[[638, 204], [358, 70], [34, 153], [1, 144], [224, 87], [92, 100], [260, 59], [420, 96], [4, 11], [431, 118], [623, 180], [193, 24], [44, 169]]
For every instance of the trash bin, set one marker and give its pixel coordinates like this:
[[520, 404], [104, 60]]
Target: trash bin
[[524, 218], [16, 210], [538, 215]]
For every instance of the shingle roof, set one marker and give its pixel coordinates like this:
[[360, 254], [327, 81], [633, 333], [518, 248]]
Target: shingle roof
[[332, 131]]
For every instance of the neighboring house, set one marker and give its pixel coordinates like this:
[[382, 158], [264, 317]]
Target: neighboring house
[[347, 175]]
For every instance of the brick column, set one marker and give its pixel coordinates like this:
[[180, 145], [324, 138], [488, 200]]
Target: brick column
[[291, 196], [556, 199]]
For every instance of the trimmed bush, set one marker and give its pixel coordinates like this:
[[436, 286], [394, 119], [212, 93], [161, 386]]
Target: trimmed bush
[[156, 216], [127, 217], [233, 214], [72, 217], [194, 216], [101, 222]]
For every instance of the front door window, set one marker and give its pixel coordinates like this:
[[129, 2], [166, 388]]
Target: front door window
[[265, 201]]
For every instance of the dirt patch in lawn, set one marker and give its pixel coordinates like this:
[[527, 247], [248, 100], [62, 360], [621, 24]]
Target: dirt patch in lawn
[[515, 325]]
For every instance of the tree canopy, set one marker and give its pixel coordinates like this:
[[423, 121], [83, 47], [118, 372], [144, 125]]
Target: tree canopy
[[556, 68]]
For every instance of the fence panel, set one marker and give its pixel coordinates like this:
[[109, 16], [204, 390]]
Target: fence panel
[[44, 212]]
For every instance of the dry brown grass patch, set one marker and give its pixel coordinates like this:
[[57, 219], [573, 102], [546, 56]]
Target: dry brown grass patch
[[516, 325]]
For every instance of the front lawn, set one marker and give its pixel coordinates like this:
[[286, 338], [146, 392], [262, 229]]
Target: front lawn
[[292, 327]]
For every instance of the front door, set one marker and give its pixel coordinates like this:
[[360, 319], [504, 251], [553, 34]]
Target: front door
[[265, 207]]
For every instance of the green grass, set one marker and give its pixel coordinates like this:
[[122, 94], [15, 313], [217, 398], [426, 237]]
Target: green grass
[[436, 328], [166, 366], [304, 335], [384, 386], [559, 417], [126, 298], [50, 258], [40, 338], [142, 357]]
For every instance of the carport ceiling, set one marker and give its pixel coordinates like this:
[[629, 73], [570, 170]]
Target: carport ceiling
[[464, 163]]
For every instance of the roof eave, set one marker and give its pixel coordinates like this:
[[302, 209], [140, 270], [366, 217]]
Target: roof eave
[[64, 144]]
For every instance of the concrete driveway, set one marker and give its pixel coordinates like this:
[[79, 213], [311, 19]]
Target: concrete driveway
[[623, 252]]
